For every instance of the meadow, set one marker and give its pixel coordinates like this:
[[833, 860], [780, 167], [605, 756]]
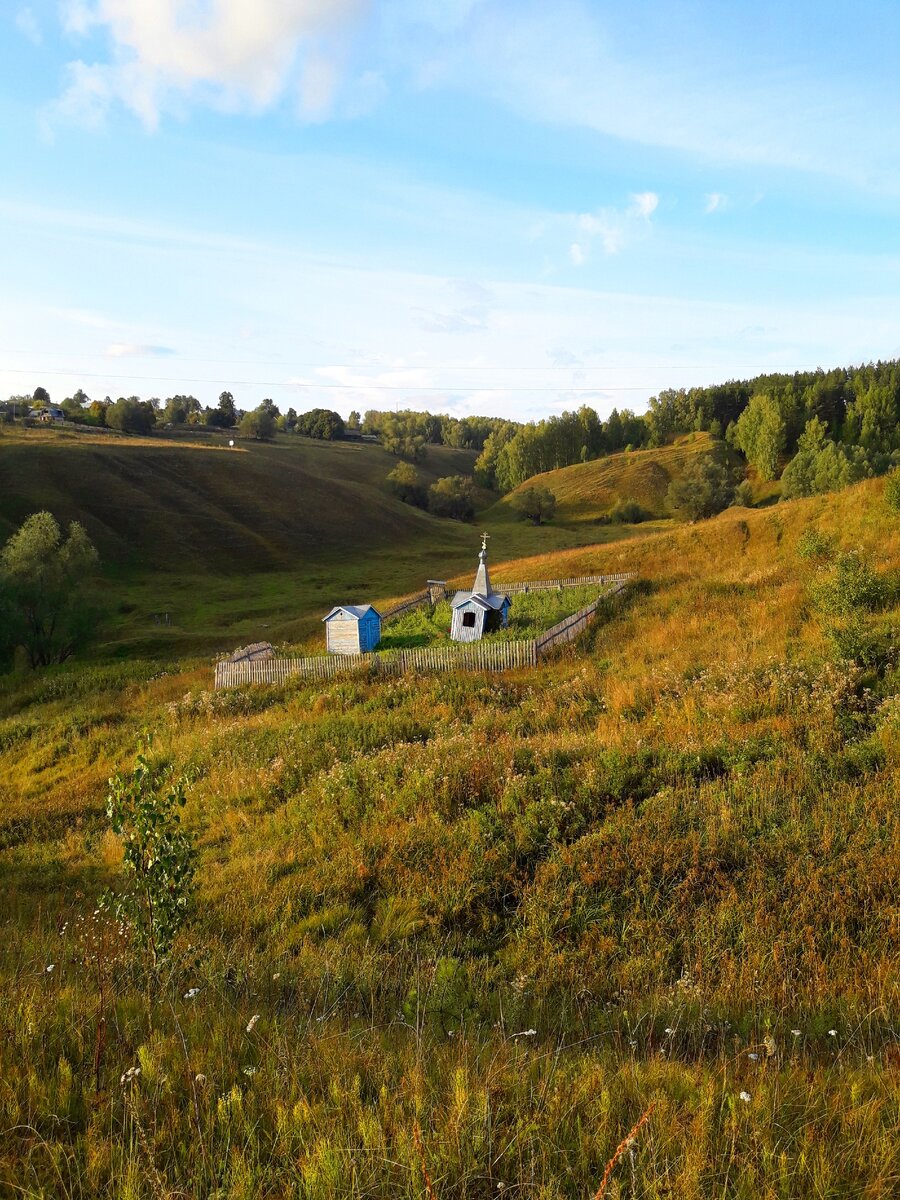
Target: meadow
[[205, 547], [454, 935]]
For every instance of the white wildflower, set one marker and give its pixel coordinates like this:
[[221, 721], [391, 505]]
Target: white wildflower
[[200, 1078], [525, 1033], [191, 993], [745, 1096], [832, 1033], [795, 1032], [129, 1075], [51, 967], [669, 1031], [753, 1057], [249, 1070], [251, 1024]]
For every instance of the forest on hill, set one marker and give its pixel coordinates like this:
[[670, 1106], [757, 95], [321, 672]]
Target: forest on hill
[[819, 430]]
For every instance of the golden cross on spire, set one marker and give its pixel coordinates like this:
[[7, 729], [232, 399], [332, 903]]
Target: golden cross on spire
[[484, 540]]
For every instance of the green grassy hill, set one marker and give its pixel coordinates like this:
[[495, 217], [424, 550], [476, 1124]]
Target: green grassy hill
[[194, 504], [476, 926], [585, 491]]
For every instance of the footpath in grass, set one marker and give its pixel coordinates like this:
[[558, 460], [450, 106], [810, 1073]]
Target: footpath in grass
[[530, 615]]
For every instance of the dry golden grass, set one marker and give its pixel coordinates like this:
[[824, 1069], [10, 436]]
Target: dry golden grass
[[584, 491], [512, 912]]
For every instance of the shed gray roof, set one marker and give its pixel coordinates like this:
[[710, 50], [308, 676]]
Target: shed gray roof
[[353, 610], [494, 600], [253, 653]]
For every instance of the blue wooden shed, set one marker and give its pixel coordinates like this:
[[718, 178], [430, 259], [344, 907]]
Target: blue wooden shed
[[482, 610], [352, 629]]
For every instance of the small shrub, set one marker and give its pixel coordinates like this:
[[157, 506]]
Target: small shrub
[[158, 855], [628, 512], [743, 494], [706, 488], [453, 497], [813, 545], [892, 491], [850, 586], [406, 485]]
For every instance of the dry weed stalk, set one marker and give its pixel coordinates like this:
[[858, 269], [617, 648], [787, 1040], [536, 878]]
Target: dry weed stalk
[[620, 1150], [420, 1150]]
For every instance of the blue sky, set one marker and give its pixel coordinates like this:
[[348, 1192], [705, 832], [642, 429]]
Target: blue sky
[[466, 205]]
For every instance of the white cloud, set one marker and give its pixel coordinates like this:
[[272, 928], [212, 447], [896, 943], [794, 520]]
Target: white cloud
[[644, 204], [77, 16], [27, 25], [715, 202], [614, 228], [229, 52]]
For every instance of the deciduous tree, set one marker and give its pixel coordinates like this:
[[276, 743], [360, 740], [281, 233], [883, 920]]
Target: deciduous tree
[[43, 589], [535, 504]]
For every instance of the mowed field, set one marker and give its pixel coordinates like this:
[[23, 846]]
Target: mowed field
[[476, 926], [195, 504]]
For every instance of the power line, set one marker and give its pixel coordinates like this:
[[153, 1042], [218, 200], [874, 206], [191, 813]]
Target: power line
[[350, 387], [309, 366]]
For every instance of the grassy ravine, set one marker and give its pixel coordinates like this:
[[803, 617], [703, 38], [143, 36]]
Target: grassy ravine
[[205, 548], [513, 910]]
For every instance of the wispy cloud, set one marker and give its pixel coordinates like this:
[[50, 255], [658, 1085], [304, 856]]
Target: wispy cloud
[[614, 228], [666, 81], [27, 25], [715, 202], [136, 350]]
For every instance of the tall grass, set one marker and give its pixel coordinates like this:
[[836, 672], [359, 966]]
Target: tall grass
[[510, 912]]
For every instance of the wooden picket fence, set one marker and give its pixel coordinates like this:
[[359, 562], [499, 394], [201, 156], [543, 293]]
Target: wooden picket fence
[[406, 605], [423, 598], [548, 585], [479, 656], [569, 628]]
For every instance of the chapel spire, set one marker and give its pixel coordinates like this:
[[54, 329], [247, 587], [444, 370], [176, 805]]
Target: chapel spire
[[482, 584]]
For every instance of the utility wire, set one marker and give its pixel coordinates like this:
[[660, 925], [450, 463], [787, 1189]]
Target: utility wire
[[312, 385]]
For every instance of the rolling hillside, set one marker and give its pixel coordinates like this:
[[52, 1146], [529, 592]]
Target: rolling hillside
[[586, 491], [659, 872], [177, 504], [204, 547]]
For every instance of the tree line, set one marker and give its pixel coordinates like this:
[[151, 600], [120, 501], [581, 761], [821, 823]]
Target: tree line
[[816, 430]]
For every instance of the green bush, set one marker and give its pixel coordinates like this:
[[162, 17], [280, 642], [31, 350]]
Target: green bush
[[814, 545], [892, 491], [849, 587]]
